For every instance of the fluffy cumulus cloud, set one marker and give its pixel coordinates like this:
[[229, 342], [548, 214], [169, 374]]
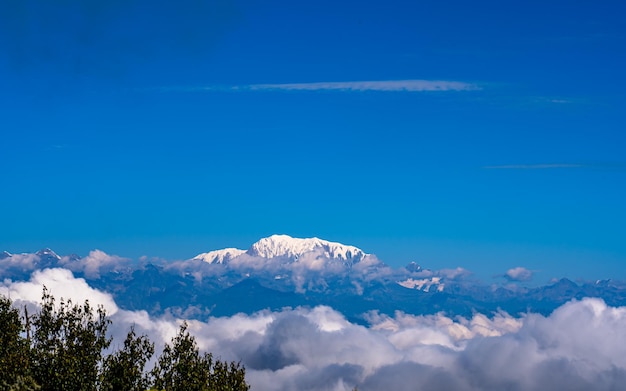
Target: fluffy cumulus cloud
[[578, 347], [18, 266], [312, 271], [519, 274], [454, 274], [95, 263], [61, 283], [18, 262]]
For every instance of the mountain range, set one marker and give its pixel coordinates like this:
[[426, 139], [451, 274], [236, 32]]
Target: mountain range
[[280, 271]]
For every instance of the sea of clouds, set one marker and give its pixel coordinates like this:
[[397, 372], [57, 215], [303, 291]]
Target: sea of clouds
[[580, 346]]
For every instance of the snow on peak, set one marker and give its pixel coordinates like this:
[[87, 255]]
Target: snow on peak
[[286, 246], [424, 284], [219, 256], [413, 267], [46, 252]]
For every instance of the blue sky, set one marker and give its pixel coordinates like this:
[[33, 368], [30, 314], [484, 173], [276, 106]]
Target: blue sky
[[490, 134]]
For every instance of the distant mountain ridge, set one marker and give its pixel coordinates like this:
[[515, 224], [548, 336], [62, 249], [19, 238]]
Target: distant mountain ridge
[[281, 271]]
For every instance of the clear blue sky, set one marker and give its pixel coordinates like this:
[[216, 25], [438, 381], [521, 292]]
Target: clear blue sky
[[167, 129]]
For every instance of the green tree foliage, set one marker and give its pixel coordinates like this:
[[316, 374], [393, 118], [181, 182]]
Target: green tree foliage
[[229, 377], [124, 369], [23, 383], [61, 348], [67, 345], [13, 349], [182, 367]]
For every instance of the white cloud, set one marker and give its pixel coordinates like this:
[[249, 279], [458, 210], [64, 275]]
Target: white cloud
[[578, 347], [446, 331], [61, 283], [95, 263], [454, 274], [518, 274], [408, 352], [22, 262], [313, 270]]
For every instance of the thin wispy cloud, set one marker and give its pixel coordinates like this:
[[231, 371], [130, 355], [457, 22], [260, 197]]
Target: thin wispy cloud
[[413, 85], [534, 166], [560, 101], [612, 167], [555, 100], [380, 85]]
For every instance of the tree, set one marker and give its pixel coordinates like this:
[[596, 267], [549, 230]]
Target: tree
[[124, 369], [182, 367], [62, 349], [67, 345], [13, 349], [228, 377]]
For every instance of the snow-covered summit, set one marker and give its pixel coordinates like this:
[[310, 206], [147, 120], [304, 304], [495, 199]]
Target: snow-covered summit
[[286, 246], [219, 256], [46, 252]]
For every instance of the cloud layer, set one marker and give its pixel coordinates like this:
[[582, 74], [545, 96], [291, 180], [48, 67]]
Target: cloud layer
[[578, 347]]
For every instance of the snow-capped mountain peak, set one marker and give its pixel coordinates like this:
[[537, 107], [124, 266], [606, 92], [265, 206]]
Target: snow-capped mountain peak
[[219, 256], [413, 267], [286, 246], [46, 252]]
